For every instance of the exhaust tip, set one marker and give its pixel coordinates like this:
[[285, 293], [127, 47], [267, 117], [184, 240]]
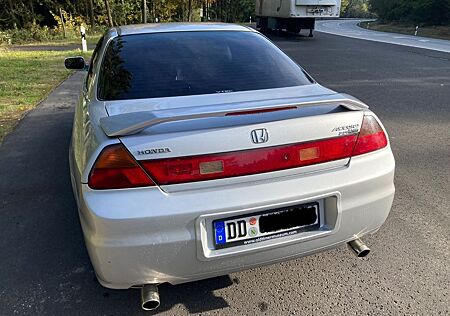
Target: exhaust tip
[[149, 297], [150, 305], [359, 248], [363, 253]]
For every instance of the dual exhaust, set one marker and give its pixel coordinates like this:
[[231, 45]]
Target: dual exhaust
[[150, 294]]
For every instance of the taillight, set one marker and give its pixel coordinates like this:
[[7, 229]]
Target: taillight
[[371, 136], [116, 169], [284, 108], [247, 162]]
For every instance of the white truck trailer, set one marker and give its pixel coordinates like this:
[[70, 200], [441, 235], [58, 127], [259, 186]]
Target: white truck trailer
[[294, 15]]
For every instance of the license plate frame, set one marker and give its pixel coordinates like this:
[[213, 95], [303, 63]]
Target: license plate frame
[[220, 227]]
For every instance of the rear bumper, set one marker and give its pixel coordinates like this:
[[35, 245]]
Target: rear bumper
[[144, 235]]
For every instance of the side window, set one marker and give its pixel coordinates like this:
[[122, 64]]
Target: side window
[[94, 59]]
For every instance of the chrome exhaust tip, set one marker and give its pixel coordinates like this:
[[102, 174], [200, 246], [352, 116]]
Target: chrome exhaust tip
[[359, 248], [149, 297]]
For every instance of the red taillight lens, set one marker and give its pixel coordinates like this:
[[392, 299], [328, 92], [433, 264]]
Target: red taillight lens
[[371, 137], [239, 163], [116, 169]]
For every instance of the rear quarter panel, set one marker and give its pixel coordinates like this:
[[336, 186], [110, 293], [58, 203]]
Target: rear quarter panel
[[88, 139]]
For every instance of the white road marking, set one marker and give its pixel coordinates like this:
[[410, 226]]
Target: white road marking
[[349, 28]]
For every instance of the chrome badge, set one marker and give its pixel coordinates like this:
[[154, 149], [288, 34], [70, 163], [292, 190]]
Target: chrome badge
[[154, 151], [259, 136]]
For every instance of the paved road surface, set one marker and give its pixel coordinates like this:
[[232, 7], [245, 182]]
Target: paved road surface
[[44, 268], [349, 28]]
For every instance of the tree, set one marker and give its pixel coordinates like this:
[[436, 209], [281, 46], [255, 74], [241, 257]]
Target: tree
[[91, 12], [108, 10], [424, 12], [231, 10], [144, 11], [26, 13], [33, 16], [13, 17], [190, 11]]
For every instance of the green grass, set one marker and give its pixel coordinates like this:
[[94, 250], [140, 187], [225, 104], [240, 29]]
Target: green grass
[[26, 78], [441, 32], [91, 40]]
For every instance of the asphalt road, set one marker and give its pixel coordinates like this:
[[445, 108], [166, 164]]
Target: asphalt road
[[350, 28], [44, 267]]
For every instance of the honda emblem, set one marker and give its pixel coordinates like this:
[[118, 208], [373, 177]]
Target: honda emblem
[[259, 136]]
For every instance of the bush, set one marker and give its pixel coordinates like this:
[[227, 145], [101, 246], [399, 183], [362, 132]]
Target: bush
[[71, 24], [36, 33], [419, 12], [5, 38], [355, 9], [26, 35]]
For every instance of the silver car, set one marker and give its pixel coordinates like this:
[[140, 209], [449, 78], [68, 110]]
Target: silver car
[[202, 149]]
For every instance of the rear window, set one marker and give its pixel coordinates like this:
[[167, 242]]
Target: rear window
[[190, 63]]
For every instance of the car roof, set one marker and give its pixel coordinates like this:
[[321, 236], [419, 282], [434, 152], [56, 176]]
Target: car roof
[[178, 27]]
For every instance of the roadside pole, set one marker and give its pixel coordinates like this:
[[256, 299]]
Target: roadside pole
[[83, 39], [62, 22]]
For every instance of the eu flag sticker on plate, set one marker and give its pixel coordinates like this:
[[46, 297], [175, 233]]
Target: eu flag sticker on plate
[[219, 229]]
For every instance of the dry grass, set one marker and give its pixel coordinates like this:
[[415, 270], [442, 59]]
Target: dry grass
[[441, 32]]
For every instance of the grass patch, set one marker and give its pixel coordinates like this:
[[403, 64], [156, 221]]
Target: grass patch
[[90, 40], [27, 77], [441, 32]]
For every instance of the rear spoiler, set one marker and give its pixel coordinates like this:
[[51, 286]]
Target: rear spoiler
[[133, 123]]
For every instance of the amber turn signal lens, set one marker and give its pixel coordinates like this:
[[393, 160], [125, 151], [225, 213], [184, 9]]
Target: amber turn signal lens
[[309, 153], [115, 168]]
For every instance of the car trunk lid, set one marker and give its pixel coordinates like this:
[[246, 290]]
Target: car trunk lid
[[172, 151]]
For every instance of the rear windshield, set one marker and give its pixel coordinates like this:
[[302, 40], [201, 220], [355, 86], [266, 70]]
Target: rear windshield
[[190, 63]]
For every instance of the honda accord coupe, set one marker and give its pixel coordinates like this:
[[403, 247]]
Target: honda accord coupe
[[202, 149]]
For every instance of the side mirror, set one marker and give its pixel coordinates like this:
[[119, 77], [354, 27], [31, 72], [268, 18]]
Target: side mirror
[[76, 63]]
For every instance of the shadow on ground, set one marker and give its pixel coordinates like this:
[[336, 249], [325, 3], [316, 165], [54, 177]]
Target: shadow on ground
[[45, 268]]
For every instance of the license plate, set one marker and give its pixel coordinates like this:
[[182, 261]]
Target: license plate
[[262, 226]]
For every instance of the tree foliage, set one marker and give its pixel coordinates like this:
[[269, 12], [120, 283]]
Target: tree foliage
[[28, 13], [232, 10], [355, 9], [423, 12]]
